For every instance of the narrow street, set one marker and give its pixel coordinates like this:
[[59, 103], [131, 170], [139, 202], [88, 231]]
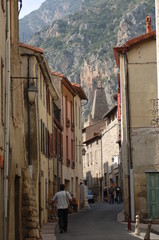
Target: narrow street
[[97, 223]]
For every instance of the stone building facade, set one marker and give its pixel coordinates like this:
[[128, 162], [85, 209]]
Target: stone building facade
[[110, 151], [71, 121], [39, 93], [139, 138], [92, 166], [78, 175]]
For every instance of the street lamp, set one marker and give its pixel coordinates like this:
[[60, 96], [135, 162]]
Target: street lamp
[[32, 91]]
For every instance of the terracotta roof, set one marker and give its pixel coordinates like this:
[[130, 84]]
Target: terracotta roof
[[92, 139], [130, 43], [79, 91], [83, 129], [110, 111], [65, 82], [39, 50], [57, 74]]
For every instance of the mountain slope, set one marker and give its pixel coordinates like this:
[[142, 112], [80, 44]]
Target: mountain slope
[[49, 11], [81, 45]]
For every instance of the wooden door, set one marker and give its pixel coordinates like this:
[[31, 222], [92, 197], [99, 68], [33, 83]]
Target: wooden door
[[153, 195]]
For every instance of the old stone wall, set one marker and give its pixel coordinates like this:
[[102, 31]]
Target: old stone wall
[[30, 217]]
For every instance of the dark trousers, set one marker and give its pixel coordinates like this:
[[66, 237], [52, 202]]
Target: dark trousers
[[63, 218]]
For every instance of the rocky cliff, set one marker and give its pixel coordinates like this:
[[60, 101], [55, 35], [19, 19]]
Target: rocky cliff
[[80, 44]]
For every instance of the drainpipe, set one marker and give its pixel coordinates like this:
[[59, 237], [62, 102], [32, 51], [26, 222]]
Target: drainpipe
[[7, 122], [39, 148], [102, 175], [128, 141], [157, 42], [53, 143], [28, 109]]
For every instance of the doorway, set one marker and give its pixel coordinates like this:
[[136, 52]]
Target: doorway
[[152, 179]]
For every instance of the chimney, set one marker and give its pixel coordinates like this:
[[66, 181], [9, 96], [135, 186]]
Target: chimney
[[148, 24]]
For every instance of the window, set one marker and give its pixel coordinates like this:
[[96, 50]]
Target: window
[[91, 159], [105, 179], [80, 152], [59, 143], [71, 107], [55, 141], [72, 149], [48, 101], [61, 136], [44, 93], [76, 113], [76, 149], [66, 148], [50, 146], [66, 106], [41, 135], [88, 159], [40, 85]]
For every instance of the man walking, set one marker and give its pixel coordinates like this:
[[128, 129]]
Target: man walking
[[63, 199]]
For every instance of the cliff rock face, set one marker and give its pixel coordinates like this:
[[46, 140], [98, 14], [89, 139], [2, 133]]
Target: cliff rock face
[[48, 12], [80, 44]]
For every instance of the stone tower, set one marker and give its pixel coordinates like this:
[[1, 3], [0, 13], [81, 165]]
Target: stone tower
[[100, 105]]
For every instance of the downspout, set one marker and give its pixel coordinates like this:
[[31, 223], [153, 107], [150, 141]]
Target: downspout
[[102, 175], [39, 148], [28, 109], [128, 141], [62, 135], [47, 154], [53, 143], [74, 140], [7, 123]]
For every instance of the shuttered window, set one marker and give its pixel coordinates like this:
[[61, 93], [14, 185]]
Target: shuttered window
[[50, 146]]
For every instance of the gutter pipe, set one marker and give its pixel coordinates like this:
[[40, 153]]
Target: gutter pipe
[[128, 141]]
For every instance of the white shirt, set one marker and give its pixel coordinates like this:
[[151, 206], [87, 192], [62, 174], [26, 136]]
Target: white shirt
[[62, 199]]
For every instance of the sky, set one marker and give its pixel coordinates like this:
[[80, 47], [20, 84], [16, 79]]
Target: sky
[[29, 6]]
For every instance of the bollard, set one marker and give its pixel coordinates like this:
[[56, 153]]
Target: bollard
[[137, 226], [147, 235], [129, 224]]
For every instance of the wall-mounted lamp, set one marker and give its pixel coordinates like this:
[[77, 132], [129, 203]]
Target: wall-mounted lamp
[[32, 92]]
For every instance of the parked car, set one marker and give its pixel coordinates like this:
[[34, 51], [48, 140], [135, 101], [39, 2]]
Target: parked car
[[90, 196]]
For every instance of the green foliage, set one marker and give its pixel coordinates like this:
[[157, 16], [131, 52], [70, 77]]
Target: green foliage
[[93, 28]]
